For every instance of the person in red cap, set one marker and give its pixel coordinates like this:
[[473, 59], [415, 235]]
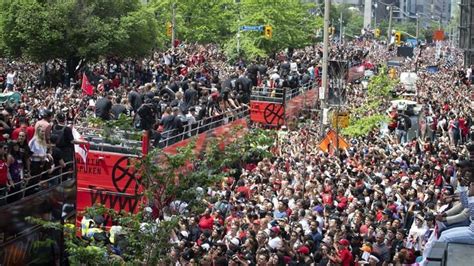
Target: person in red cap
[[344, 256], [303, 253], [275, 241]]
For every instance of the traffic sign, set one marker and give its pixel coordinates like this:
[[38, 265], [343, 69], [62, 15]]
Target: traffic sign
[[329, 143], [438, 35], [251, 28], [340, 120]]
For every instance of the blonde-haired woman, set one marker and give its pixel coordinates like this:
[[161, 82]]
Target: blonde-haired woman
[[40, 158]]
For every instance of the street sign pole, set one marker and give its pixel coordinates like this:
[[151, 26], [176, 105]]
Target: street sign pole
[[327, 7]]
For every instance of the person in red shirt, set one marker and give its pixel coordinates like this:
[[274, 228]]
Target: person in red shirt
[[327, 195], [206, 222], [24, 127], [242, 189], [5, 179], [115, 82], [341, 199], [344, 256]]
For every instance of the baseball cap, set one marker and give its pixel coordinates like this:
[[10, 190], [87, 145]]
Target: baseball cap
[[276, 229], [318, 209], [344, 242], [303, 250], [235, 241]]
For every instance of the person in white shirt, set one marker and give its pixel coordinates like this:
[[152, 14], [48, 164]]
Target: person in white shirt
[[10, 79], [275, 241]]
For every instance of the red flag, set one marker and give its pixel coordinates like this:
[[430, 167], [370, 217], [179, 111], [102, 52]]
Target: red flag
[[87, 88]]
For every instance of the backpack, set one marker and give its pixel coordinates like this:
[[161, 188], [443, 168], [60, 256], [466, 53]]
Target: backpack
[[58, 135]]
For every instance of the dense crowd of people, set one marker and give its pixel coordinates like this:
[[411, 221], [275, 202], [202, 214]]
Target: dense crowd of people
[[385, 200], [173, 95], [382, 201]]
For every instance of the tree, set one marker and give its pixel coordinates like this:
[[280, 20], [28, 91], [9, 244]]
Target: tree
[[209, 23], [293, 27], [371, 114], [352, 20], [406, 27], [75, 29]]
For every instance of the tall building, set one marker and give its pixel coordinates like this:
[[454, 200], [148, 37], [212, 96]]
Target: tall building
[[466, 36], [439, 11], [434, 10]]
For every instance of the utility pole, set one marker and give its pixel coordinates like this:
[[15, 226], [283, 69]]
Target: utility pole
[[367, 13], [173, 26], [327, 7], [390, 25], [341, 36], [375, 14]]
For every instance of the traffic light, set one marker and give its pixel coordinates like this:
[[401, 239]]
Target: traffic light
[[377, 33], [392, 73], [169, 29], [398, 37], [331, 30], [268, 32]]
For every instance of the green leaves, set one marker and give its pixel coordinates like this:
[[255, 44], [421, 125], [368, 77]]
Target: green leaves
[[218, 21], [293, 27], [371, 114], [77, 28], [380, 86], [362, 126]]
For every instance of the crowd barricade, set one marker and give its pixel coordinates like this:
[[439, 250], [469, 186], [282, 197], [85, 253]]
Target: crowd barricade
[[27, 189], [171, 137]]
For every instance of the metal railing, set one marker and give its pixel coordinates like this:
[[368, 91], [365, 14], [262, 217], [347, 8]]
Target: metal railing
[[25, 187], [170, 137], [278, 95], [97, 140], [268, 94], [114, 140], [292, 93]]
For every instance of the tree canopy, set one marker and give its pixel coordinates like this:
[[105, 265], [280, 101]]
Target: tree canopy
[[40, 30], [371, 114], [50, 29]]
